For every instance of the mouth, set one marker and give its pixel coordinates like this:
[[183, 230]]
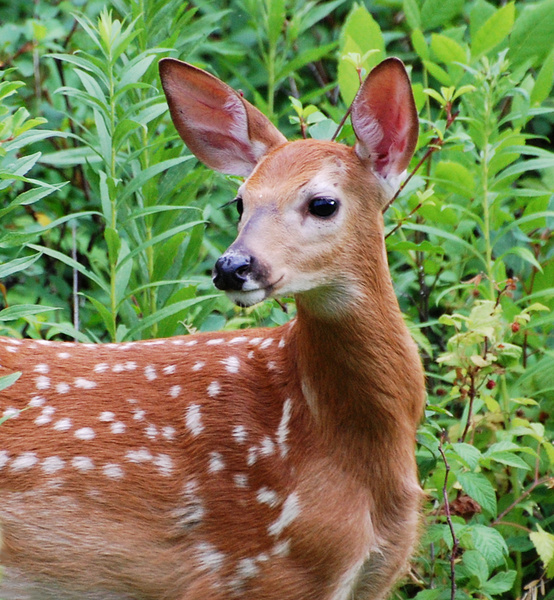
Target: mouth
[[246, 298]]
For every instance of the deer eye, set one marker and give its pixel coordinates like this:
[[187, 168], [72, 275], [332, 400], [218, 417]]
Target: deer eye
[[240, 207], [323, 207]]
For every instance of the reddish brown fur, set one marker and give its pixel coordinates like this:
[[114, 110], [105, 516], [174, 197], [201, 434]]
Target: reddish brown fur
[[318, 504]]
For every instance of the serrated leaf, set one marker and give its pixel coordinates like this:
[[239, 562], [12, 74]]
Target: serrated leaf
[[510, 459], [489, 543], [468, 453], [500, 583], [478, 487]]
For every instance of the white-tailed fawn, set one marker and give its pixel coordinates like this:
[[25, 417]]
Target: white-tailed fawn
[[259, 464]]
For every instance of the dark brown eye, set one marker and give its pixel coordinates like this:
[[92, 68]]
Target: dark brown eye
[[323, 207], [240, 207]]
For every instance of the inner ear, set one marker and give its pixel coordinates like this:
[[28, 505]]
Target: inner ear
[[222, 129], [384, 118]]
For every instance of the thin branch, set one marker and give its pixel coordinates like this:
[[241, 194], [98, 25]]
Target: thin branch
[[526, 493], [455, 540]]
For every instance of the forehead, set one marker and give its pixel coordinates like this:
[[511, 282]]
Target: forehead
[[297, 165]]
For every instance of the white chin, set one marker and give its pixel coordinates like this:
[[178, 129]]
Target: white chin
[[248, 298]]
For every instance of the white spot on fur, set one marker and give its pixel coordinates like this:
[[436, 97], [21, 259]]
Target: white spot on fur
[[113, 471], [240, 434], [4, 458], [216, 463], [42, 368], [84, 384], [169, 370], [42, 382], [193, 419], [11, 413], [281, 343], [164, 464], [252, 456], [63, 424], [168, 432], [64, 355], [289, 512], [82, 463], [283, 429], [138, 414], [150, 373], [85, 433], [267, 496], [238, 340], [46, 415], [208, 557], [266, 343], [151, 431], [198, 365], [118, 368], [24, 461], [118, 427], [107, 416], [241, 480], [255, 341], [175, 391], [101, 367], [11, 348], [281, 549], [52, 464], [62, 388], [37, 401], [191, 343], [232, 364], [267, 447], [139, 456], [213, 389], [130, 365], [215, 342]]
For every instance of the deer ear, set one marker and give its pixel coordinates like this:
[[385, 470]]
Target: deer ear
[[220, 128], [384, 118]]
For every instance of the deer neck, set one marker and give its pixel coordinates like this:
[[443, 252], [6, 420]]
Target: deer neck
[[360, 373]]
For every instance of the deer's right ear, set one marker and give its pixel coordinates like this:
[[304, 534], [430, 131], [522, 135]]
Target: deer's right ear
[[220, 128]]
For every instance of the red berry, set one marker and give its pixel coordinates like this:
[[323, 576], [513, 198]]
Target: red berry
[[490, 385], [515, 327]]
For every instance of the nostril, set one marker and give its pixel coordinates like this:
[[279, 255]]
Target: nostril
[[232, 270]]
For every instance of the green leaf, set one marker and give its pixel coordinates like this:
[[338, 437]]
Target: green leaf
[[105, 314], [468, 453], [478, 487], [544, 543], [7, 380], [412, 14], [544, 80], [532, 34], [510, 459], [438, 12], [306, 57], [495, 29], [21, 311], [489, 543], [360, 34], [447, 50], [73, 264], [500, 583], [476, 565], [275, 19], [420, 45], [17, 264]]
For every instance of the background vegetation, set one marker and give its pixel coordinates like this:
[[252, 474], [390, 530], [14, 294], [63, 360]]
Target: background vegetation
[[109, 228]]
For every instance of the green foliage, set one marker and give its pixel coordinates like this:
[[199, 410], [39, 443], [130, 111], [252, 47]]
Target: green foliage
[[109, 227]]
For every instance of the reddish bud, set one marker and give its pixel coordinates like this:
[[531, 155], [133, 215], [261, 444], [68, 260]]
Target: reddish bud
[[515, 327], [490, 385]]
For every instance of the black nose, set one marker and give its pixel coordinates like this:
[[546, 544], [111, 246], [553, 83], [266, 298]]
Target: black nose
[[231, 271]]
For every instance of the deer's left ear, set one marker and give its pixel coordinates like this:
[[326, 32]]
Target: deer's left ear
[[384, 119]]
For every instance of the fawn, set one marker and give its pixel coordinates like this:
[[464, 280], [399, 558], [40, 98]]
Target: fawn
[[261, 464]]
